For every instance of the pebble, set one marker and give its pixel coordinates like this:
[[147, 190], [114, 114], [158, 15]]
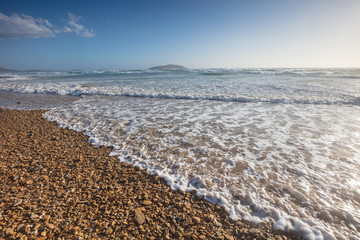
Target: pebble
[[228, 237], [38, 167], [217, 224], [147, 202], [50, 226], [139, 216], [254, 230], [196, 220]]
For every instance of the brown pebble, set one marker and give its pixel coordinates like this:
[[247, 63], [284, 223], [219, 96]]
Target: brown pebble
[[21, 228], [23, 237], [50, 226], [43, 233], [147, 202], [228, 237], [187, 205], [9, 231], [196, 220], [139, 216], [254, 230]]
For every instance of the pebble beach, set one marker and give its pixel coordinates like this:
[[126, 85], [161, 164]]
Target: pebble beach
[[56, 185]]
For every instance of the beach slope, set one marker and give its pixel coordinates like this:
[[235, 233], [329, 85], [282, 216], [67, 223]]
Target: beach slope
[[56, 185]]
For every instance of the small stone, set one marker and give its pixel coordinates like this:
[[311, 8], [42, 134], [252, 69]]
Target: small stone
[[16, 177], [23, 237], [21, 228], [43, 233], [17, 203], [34, 216], [202, 236], [46, 217], [254, 230], [76, 230], [210, 217], [139, 216], [196, 220], [50, 226], [240, 224], [18, 102], [147, 202], [109, 231], [9, 231], [54, 138], [187, 221], [217, 224], [277, 237], [36, 226], [38, 167], [124, 235], [228, 237]]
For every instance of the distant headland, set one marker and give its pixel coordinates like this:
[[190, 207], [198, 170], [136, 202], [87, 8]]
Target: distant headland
[[168, 67], [5, 70]]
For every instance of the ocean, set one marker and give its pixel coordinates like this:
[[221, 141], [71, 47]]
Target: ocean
[[279, 145]]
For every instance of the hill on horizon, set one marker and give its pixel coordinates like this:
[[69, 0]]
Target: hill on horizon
[[6, 70], [168, 67]]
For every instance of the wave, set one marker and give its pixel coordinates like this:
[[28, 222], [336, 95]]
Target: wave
[[266, 85], [243, 99], [337, 73], [355, 101]]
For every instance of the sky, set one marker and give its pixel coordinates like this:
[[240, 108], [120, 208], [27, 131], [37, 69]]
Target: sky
[[134, 34]]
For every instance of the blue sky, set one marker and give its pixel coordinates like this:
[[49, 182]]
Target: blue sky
[[63, 35]]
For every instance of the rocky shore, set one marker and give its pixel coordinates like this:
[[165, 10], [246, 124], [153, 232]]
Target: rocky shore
[[56, 185]]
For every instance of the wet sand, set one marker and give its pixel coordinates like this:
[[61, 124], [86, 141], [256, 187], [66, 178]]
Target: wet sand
[[56, 185], [31, 101]]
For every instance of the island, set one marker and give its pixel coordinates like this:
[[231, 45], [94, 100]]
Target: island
[[5, 70], [168, 67]]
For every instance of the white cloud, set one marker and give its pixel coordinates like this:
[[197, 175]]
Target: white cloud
[[24, 26], [76, 27]]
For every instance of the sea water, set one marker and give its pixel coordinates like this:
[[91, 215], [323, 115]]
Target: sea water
[[279, 145]]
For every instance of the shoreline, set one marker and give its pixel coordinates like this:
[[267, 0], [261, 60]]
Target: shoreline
[[55, 185], [33, 101]]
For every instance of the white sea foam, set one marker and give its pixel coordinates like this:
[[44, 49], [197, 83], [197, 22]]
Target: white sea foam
[[294, 165]]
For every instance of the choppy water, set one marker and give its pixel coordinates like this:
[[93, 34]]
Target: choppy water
[[280, 145]]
